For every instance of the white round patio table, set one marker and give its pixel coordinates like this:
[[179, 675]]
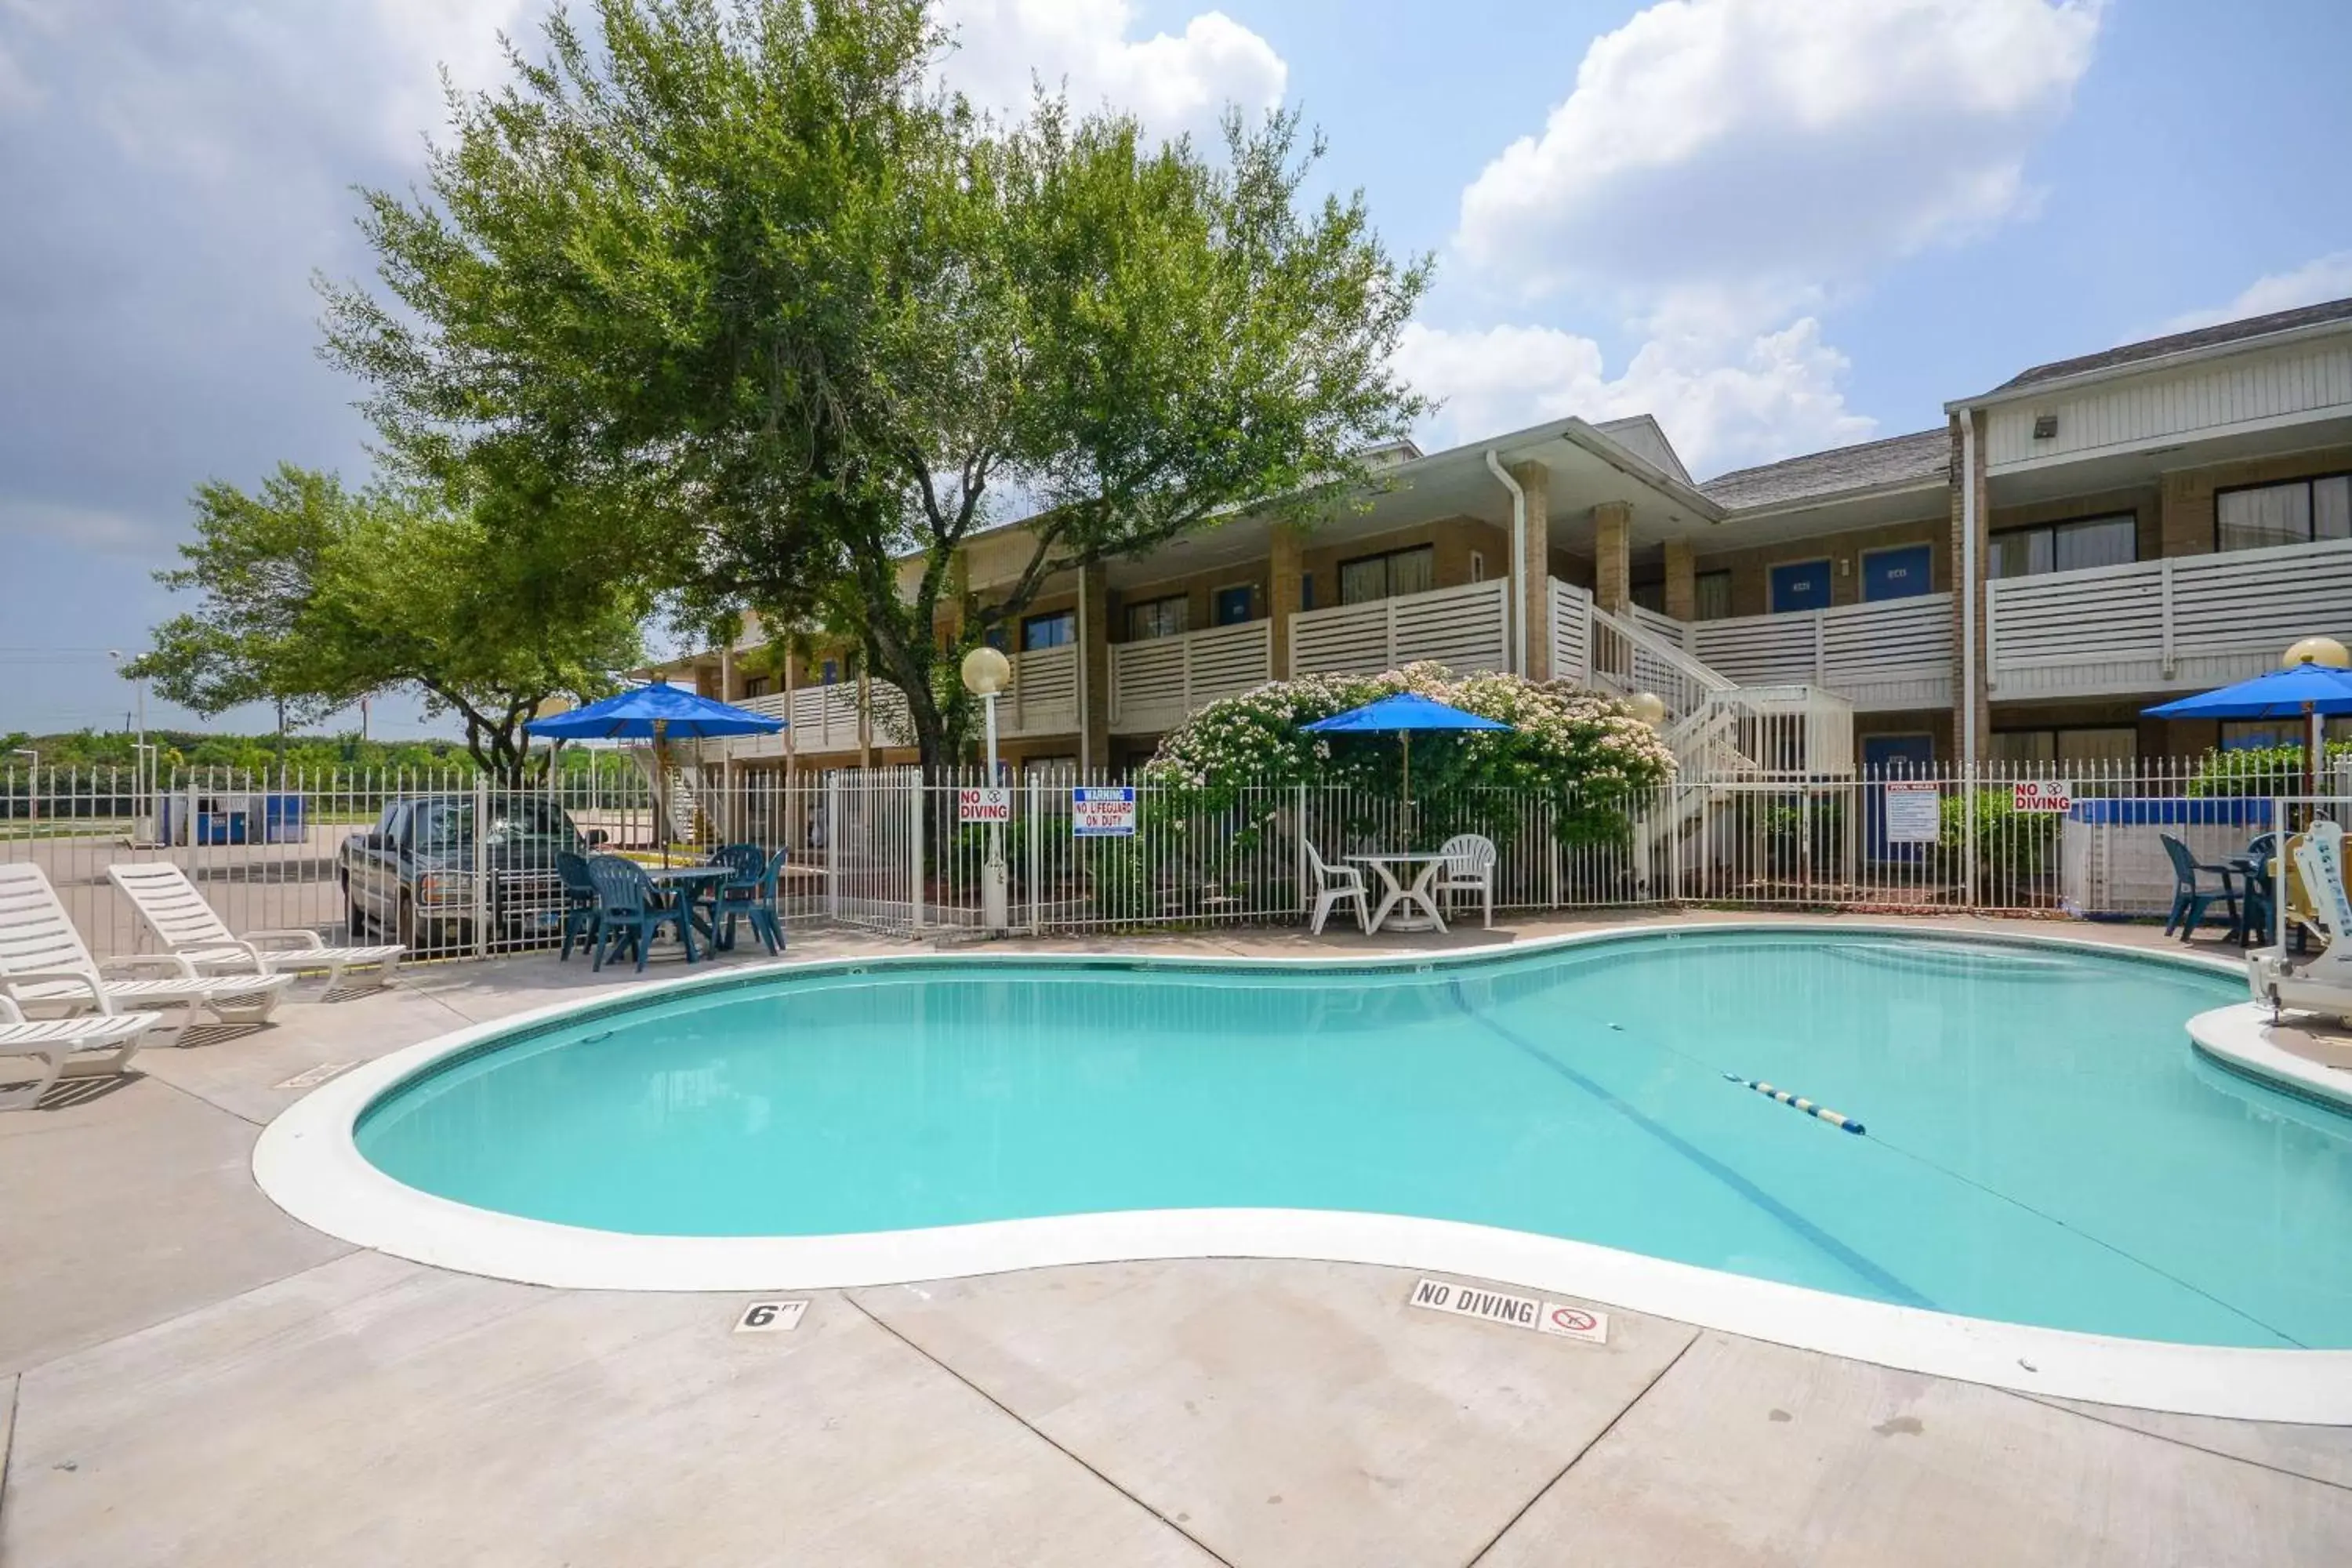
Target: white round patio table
[[1419, 891]]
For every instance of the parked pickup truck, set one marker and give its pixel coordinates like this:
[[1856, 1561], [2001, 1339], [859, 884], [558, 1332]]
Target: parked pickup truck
[[411, 876]]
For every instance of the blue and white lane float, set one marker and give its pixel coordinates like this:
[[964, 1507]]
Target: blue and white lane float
[[1846, 1124]]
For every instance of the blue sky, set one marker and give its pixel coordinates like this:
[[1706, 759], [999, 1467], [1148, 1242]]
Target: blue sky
[[1777, 225]]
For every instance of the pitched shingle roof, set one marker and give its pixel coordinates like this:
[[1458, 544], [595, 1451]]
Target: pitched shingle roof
[[2182, 342], [1872, 465]]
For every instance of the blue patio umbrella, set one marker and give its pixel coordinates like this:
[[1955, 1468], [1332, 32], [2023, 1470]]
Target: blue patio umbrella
[[2306, 690], [655, 713], [1401, 714], [658, 712]]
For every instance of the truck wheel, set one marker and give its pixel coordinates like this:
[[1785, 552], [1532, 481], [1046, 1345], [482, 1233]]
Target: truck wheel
[[406, 923], [355, 920]]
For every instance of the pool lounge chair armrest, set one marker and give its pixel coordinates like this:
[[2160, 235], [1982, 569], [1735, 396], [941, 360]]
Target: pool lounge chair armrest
[[306, 940], [9, 1012], [172, 965], [11, 978]]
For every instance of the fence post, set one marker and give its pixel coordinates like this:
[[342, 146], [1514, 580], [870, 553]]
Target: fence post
[[833, 845], [1037, 854], [481, 865], [1968, 836], [1298, 857], [920, 795], [1674, 839]]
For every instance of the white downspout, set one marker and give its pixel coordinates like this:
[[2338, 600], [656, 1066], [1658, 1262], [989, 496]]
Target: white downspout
[[1969, 587], [1518, 562]]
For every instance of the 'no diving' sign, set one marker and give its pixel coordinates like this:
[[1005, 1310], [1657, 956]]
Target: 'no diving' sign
[[1518, 1311]]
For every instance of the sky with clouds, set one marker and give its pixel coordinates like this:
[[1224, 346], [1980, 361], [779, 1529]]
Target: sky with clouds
[[1776, 224]]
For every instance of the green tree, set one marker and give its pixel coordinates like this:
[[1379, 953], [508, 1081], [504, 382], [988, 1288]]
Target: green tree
[[802, 320], [315, 597]]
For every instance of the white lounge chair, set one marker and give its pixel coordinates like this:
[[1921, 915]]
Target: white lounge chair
[[46, 971], [1334, 886], [185, 924], [69, 1047], [1469, 869]]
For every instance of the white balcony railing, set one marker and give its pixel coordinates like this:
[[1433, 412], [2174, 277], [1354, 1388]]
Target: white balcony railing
[[823, 719], [1044, 699], [1893, 654], [1466, 629], [2183, 623], [1155, 683]]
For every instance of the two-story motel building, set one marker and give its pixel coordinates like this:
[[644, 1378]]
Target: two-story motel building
[[2015, 584]]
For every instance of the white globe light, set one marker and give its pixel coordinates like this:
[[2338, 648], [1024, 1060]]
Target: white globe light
[[2317, 650], [986, 672], [1648, 707]]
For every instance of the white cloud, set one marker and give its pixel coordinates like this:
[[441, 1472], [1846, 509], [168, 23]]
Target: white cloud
[[1173, 82], [1719, 154], [2327, 278], [91, 527], [1723, 403]]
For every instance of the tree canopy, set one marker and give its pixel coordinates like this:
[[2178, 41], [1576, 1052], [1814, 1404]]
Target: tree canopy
[[315, 597], [807, 323]]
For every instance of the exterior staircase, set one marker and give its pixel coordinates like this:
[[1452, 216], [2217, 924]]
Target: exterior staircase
[[679, 790], [1722, 736]]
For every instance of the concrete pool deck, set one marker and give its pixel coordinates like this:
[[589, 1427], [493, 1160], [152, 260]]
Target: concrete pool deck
[[188, 1376]]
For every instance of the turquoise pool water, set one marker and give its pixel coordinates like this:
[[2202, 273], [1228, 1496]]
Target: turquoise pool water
[[2044, 1146]]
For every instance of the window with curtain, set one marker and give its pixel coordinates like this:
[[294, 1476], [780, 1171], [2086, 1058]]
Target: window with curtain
[[1052, 630], [2296, 512], [1165, 617], [2070, 546], [1711, 600], [1388, 576], [2067, 743]]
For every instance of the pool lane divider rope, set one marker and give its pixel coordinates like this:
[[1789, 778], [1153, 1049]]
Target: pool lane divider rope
[[1844, 1123]]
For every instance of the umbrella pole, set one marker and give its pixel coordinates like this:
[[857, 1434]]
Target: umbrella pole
[[2312, 723], [1408, 788], [661, 788]]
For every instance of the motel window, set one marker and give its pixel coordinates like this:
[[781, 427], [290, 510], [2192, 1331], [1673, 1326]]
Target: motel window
[[1711, 598], [832, 672], [2067, 743], [1650, 596], [2070, 546], [1165, 617], [2294, 513], [1388, 576], [2254, 734], [756, 686], [1054, 629]]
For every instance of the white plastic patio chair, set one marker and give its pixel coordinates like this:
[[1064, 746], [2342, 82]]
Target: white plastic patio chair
[[69, 1048], [1334, 886], [185, 924], [47, 971], [1469, 869]]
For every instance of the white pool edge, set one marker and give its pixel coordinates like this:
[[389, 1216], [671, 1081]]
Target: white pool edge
[[307, 1162], [2238, 1037]]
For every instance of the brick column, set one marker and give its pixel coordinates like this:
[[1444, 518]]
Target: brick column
[[1284, 584], [1963, 697], [1612, 556], [1535, 568], [1094, 668], [1682, 580]]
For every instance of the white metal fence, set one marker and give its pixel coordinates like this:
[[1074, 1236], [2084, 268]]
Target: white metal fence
[[408, 855]]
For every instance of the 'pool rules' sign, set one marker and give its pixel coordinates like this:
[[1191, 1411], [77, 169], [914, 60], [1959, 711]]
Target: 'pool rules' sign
[[1103, 812], [1914, 810], [1518, 1311]]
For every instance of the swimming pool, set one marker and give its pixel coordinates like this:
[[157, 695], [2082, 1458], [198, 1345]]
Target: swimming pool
[[2043, 1147]]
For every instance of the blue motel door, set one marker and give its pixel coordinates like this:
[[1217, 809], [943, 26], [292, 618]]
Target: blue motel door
[[1896, 574], [1800, 585]]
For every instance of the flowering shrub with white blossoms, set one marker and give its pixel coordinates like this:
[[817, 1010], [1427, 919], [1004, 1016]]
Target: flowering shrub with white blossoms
[[1585, 752]]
